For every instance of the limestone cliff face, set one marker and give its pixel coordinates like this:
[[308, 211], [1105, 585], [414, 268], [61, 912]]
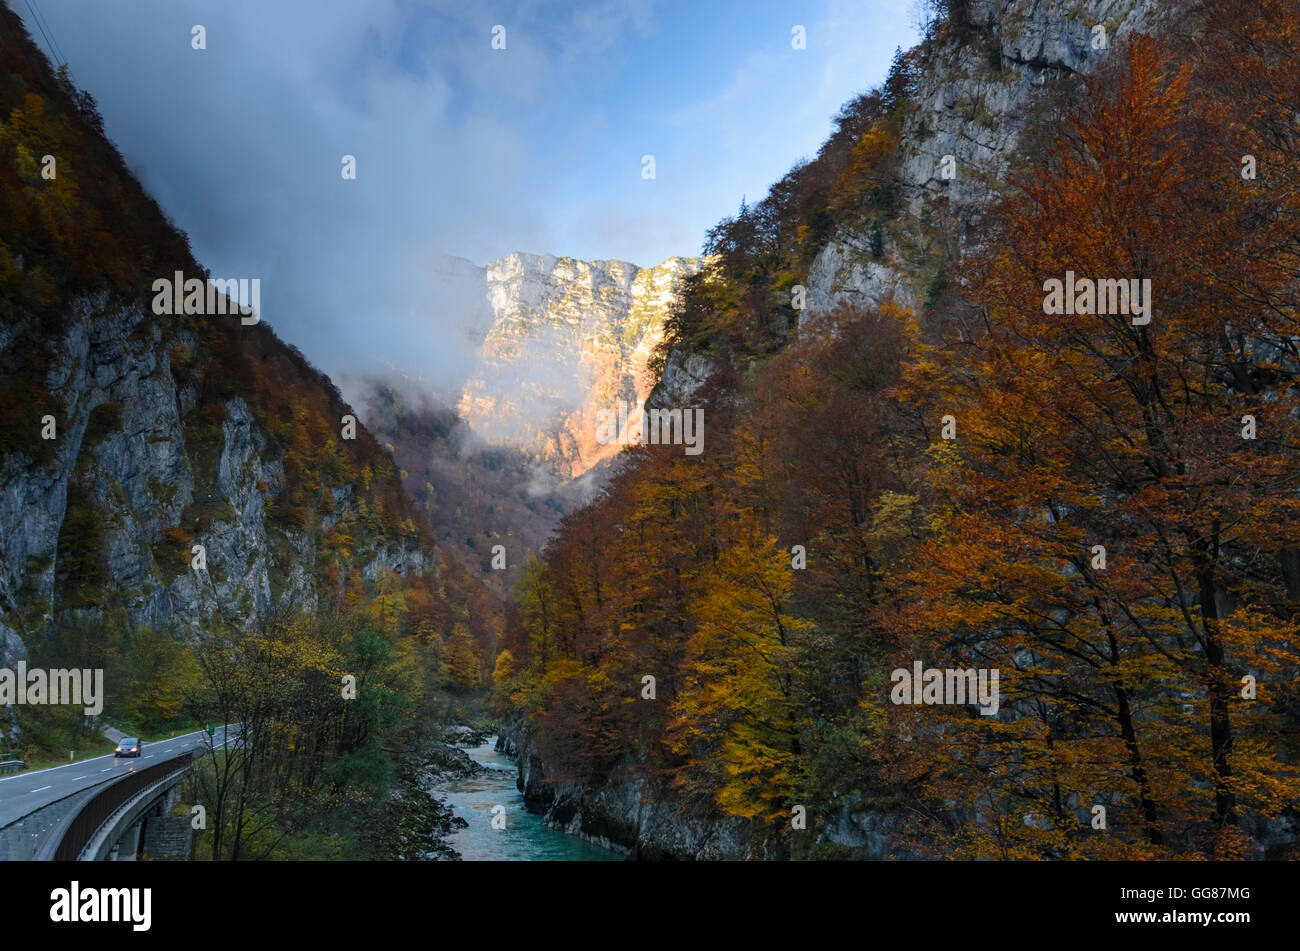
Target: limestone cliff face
[[568, 339], [974, 107], [555, 341], [973, 102], [144, 473], [128, 436]]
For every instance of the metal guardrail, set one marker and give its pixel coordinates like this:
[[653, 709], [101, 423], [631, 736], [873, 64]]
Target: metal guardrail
[[11, 766], [95, 812]]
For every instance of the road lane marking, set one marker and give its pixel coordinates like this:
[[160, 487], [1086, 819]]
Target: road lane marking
[[28, 773], [75, 778], [42, 789]]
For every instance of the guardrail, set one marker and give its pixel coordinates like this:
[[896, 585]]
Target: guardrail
[[95, 812], [11, 766]]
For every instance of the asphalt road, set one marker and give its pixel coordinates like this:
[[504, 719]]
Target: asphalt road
[[30, 790]]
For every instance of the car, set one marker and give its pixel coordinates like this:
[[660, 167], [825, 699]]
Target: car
[[128, 746]]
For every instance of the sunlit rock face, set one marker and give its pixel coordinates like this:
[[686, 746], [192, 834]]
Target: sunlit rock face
[[568, 339]]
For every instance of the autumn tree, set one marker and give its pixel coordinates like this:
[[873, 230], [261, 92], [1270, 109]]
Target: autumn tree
[[1106, 528]]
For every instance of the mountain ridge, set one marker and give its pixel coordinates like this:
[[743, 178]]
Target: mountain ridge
[[128, 438], [909, 461]]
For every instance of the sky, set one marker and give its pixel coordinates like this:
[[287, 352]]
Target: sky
[[461, 149]]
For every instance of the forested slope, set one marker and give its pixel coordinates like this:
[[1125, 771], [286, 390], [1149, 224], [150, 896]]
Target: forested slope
[[185, 505], [933, 465]]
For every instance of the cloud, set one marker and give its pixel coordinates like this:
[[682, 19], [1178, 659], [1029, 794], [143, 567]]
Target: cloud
[[242, 143], [460, 149]]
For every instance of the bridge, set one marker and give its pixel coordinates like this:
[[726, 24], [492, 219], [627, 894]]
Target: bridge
[[96, 809]]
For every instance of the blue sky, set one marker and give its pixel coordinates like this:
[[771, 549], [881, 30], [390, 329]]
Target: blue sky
[[461, 149]]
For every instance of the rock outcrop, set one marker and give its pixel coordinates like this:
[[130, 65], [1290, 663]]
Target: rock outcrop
[[181, 469], [624, 815], [569, 338], [972, 103], [973, 106], [128, 450]]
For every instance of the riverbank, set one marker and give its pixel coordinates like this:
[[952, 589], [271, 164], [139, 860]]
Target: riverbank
[[623, 813], [491, 819], [416, 822]]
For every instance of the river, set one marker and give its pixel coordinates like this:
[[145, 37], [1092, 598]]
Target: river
[[525, 837]]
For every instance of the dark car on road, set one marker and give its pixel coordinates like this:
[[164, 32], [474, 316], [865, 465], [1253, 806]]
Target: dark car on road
[[128, 746]]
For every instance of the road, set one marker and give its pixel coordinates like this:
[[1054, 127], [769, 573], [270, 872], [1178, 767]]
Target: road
[[28, 791]]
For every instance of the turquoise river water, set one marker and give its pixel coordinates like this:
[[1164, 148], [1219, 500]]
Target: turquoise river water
[[525, 837]]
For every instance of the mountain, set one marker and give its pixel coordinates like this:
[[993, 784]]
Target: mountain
[[920, 471], [476, 496], [994, 81], [568, 339], [558, 341], [132, 438]]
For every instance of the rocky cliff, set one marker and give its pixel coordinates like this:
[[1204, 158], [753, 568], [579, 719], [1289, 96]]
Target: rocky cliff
[[568, 339], [131, 449], [556, 341], [188, 472], [974, 106], [628, 815], [984, 83]]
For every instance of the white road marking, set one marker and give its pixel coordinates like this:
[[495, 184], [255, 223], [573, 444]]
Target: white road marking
[[29, 772], [200, 736]]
